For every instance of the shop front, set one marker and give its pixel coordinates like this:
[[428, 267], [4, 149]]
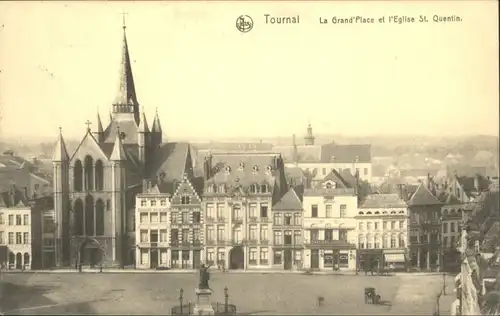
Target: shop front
[[395, 259], [338, 256], [370, 259]]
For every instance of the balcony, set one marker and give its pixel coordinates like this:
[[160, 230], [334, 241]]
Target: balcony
[[264, 242], [330, 243], [221, 220], [252, 242], [265, 220], [252, 219]]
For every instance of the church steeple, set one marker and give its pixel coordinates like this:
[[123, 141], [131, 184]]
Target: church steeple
[[99, 135], [126, 99], [309, 138], [156, 124], [60, 152]]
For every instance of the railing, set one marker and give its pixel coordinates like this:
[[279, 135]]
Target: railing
[[326, 242]]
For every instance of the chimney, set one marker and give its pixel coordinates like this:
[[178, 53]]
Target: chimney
[[12, 196], [207, 167]]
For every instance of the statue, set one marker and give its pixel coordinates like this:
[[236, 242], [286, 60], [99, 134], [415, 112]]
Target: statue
[[204, 277]]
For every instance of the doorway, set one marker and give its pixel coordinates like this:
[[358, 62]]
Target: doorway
[[154, 259], [237, 258], [315, 259], [288, 259]]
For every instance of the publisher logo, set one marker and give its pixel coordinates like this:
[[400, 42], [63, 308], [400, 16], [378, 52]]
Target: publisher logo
[[244, 23]]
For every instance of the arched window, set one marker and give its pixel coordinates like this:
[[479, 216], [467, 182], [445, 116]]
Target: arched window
[[361, 242], [393, 241], [89, 173], [402, 241], [99, 175], [361, 213], [378, 240], [78, 223], [26, 259], [237, 214], [78, 176], [385, 241], [12, 259], [19, 260], [369, 241], [89, 215], [99, 218]]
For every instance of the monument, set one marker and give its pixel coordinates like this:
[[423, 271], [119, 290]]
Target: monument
[[203, 304]]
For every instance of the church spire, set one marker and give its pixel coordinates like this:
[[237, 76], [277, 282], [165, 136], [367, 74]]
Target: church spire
[[60, 152], [118, 153], [99, 124], [156, 124], [126, 99]]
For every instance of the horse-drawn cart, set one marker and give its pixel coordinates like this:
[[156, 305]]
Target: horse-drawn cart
[[371, 296]]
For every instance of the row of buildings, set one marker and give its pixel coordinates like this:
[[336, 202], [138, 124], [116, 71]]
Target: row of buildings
[[125, 197]]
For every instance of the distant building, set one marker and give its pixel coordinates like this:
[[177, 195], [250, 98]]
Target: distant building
[[319, 160], [452, 216], [329, 225], [382, 231]]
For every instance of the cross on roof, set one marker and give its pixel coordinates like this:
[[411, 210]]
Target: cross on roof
[[88, 123]]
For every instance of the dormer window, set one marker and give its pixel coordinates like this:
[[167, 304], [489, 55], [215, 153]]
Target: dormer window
[[263, 188], [228, 169], [255, 168], [268, 168], [210, 189], [253, 188], [332, 158], [185, 200], [216, 169], [242, 165], [162, 175], [221, 188], [329, 185]]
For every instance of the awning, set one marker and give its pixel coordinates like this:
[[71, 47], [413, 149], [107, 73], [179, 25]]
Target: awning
[[395, 258]]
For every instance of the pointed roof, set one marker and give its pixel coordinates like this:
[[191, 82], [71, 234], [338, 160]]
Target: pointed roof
[[423, 196], [337, 178], [143, 124], [290, 201], [126, 91], [452, 200], [156, 124], [99, 124], [60, 152], [118, 153]]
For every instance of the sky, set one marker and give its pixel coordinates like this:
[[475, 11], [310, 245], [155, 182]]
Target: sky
[[59, 66]]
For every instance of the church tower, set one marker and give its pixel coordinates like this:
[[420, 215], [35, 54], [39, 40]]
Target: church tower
[[99, 134], [156, 133], [60, 167], [126, 105], [143, 140], [309, 138]]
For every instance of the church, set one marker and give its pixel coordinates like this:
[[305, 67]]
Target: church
[[95, 186]]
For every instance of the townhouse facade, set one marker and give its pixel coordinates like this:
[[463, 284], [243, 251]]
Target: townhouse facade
[[382, 231], [238, 195], [329, 225], [452, 217]]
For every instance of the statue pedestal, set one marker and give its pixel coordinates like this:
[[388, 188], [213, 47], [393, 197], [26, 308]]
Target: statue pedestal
[[203, 304]]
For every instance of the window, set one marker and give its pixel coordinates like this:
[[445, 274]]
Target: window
[[185, 200], [237, 213], [393, 241], [48, 242], [26, 219], [1, 238], [11, 238], [196, 234], [278, 219], [277, 257], [445, 242], [288, 237], [343, 260], [163, 217], [19, 238], [210, 189], [11, 220], [153, 236], [328, 260], [264, 233], [263, 188], [253, 232], [369, 226], [144, 236], [329, 211], [18, 220], [452, 227], [324, 171], [210, 256], [252, 210], [384, 225], [297, 237], [185, 236], [298, 219], [154, 217], [221, 255], [163, 235], [196, 217], [343, 211], [401, 224], [210, 211], [163, 202], [278, 237], [402, 241], [1, 219], [185, 218], [314, 211], [343, 234], [375, 225], [377, 242], [253, 256], [445, 228], [174, 218], [393, 224], [361, 242], [220, 211], [365, 171], [220, 233], [26, 238], [361, 226], [37, 186], [328, 234], [237, 235], [221, 189], [264, 255], [210, 233], [153, 202], [288, 219], [314, 234], [253, 188], [369, 242], [452, 242], [144, 218], [263, 210]]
